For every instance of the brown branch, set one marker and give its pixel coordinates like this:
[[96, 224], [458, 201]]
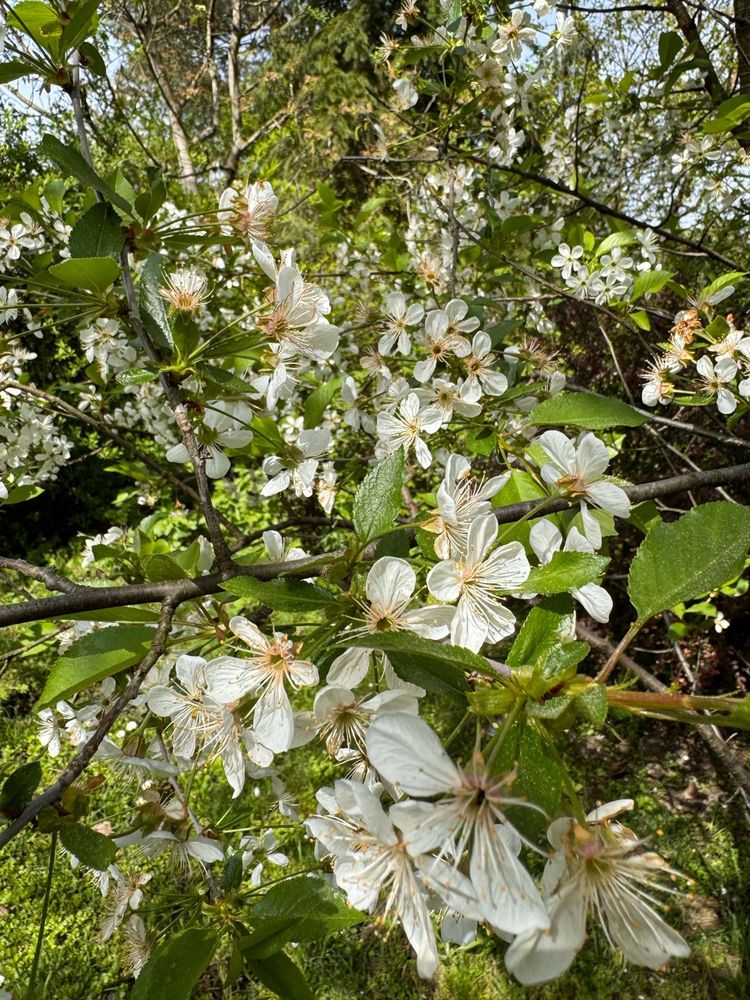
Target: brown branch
[[44, 574], [689, 29], [83, 758], [85, 599], [726, 754]]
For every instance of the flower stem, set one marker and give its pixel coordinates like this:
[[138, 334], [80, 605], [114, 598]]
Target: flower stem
[[43, 920]]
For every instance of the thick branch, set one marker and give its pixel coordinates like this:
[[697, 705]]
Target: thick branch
[[82, 759], [98, 598], [45, 575], [689, 29]]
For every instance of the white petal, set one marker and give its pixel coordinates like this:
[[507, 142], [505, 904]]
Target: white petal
[[349, 668], [595, 600], [407, 753], [592, 457], [390, 582], [560, 449], [273, 719], [610, 497], [540, 955], [545, 540], [444, 581]]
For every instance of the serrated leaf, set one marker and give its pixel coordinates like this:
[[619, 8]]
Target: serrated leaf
[[96, 274], [71, 161], [161, 566], [538, 777], [19, 787], [93, 657], [585, 410], [592, 705], [279, 974], [14, 69], [698, 553], [152, 306], [91, 848], [97, 233], [176, 965], [318, 400], [546, 626], [564, 572], [378, 499], [281, 595], [227, 382]]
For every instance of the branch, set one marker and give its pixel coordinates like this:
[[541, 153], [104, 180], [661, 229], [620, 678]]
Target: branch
[[689, 29], [85, 599], [97, 598], [45, 575], [83, 758]]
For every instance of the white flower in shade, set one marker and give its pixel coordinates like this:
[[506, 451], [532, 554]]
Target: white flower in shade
[[399, 316], [442, 338], [657, 383], [405, 430], [469, 815], [326, 488], [8, 305], [73, 726], [475, 582], [578, 470], [406, 93], [480, 373], [369, 859], [299, 466], [461, 499], [250, 214], [716, 379], [278, 550], [597, 869], [546, 539], [447, 397], [735, 341], [224, 425], [273, 664], [126, 894], [568, 259], [265, 847], [512, 34], [137, 946]]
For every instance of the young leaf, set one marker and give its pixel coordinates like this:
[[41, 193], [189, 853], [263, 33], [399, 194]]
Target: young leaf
[[94, 657], [279, 974], [176, 965], [649, 281], [152, 306], [378, 499], [281, 595], [546, 626], [585, 410], [318, 400], [698, 553], [19, 787], [74, 165], [564, 572], [98, 233], [91, 848]]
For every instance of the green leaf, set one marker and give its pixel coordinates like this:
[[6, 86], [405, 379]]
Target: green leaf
[[232, 878], [83, 22], [620, 239], [435, 666], [730, 278], [37, 20], [96, 274], [378, 499], [641, 319], [281, 595], [91, 848], [176, 965], [225, 381], [93, 657], [14, 69], [152, 306], [670, 44], [538, 777], [137, 376], [649, 281], [592, 705], [91, 59], [545, 627], [729, 114], [564, 572], [698, 553], [98, 233], [279, 974], [19, 787], [161, 566], [318, 400], [585, 410], [74, 165]]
